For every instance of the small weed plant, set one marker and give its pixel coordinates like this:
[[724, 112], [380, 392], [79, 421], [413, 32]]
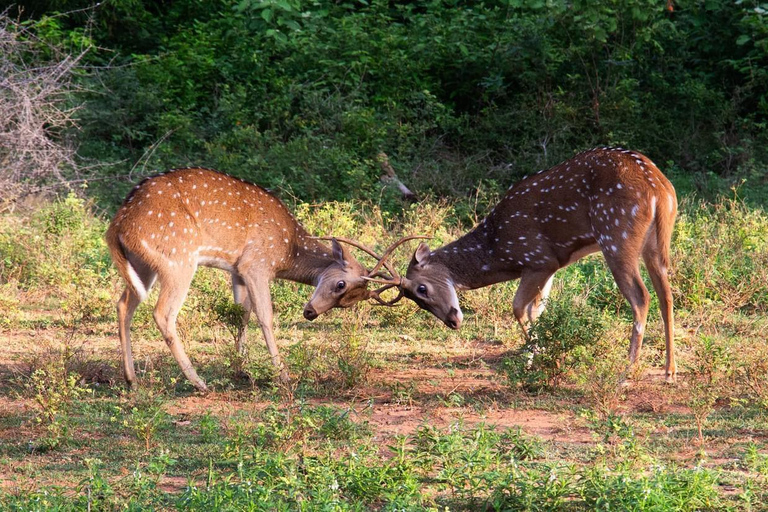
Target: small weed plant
[[600, 373], [54, 390], [709, 372], [145, 419], [549, 354]]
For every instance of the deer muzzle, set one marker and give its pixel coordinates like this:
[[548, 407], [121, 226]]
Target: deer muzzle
[[453, 319], [310, 313]]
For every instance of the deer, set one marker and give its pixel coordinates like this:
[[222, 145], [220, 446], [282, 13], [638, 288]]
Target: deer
[[173, 222], [611, 200]]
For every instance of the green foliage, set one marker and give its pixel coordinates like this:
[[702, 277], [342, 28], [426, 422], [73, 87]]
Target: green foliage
[[145, 420], [278, 481], [9, 304], [709, 375], [601, 371], [60, 245], [54, 390], [289, 428], [548, 353], [465, 468], [662, 489], [483, 468], [301, 96], [721, 254], [756, 461], [751, 367]]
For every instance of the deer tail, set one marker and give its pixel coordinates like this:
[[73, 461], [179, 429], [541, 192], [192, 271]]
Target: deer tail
[[666, 211], [123, 264]]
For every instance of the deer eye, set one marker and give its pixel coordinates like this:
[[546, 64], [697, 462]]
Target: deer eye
[[341, 285], [422, 289]]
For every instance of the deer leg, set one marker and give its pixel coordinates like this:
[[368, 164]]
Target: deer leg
[[261, 301], [173, 291], [240, 292], [627, 277], [660, 279], [531, 295], [539, 303], [126, 306]]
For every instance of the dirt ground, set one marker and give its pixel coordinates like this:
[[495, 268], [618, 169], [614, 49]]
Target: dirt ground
[[395, 400]]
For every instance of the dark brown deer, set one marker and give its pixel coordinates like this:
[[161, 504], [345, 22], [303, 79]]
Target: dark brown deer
[[606, 199], [174, 222]]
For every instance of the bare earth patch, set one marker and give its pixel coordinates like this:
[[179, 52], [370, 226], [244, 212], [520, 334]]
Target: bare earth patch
[[416, 385]]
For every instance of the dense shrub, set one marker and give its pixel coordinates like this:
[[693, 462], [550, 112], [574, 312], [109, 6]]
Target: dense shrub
[[302, 96], [549, 352]]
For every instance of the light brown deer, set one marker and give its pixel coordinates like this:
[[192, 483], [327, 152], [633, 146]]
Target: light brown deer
[[606, 199], [174, 222]]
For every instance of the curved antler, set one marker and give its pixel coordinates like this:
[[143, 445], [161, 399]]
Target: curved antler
[[376, 295], [390, 250], [362, 247], [374, 275]]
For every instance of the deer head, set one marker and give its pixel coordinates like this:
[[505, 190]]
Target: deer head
[[429, 284], [340, 285]]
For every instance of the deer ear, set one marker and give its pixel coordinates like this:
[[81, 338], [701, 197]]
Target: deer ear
[[422, 254], [339, 253]]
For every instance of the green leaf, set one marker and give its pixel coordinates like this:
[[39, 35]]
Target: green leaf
[[291, 24], [242, 6], [285, 6]]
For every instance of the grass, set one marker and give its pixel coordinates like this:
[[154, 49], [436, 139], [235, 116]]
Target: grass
[[388, 410]]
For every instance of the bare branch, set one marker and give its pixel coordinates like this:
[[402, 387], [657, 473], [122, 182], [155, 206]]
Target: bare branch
[[389, 177], [36, 86]]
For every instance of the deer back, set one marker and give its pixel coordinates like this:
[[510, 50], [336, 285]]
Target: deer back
[[186, 216], [595, 200]]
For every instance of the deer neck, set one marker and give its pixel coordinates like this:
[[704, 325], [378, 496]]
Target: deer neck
[[471, 262], [308, 259]]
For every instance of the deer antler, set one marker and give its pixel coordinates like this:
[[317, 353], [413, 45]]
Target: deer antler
[[376, 295], [396, 279], [390, 250], [374, 275], [362, 247]]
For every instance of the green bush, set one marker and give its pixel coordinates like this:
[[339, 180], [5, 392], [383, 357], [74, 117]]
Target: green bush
[[720, 257], [302, 96], [549, 352], [662, 489], [54, 391], [59, 245]]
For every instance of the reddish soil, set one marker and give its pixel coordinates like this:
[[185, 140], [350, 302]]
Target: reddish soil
[[421, 389]]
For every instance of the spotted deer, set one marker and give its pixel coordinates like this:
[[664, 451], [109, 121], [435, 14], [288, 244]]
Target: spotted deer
[[174, 222], [606, 199]]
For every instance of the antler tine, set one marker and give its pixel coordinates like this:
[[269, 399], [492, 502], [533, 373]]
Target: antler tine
[[376, 295], [390, 250], [395, 281], [364, 248]]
